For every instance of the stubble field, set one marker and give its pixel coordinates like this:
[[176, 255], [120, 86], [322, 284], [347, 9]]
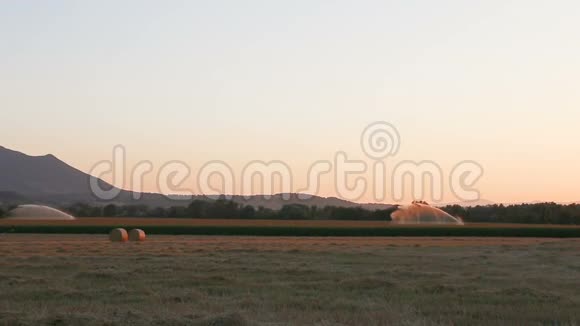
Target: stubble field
[[212, 280]]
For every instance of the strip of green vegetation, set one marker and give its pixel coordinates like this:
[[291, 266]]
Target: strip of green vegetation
[[412, 231]]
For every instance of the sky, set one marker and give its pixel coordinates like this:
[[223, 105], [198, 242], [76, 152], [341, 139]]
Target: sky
[[495, 82]]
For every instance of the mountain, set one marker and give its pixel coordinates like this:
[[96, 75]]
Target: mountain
[[276, 202], [48, 180], [41, 175], [11, 197]]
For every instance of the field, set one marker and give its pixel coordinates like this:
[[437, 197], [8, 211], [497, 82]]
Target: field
[[191, 222], [213, 280], [236, 227]]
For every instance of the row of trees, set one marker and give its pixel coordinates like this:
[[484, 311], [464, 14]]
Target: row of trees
[[540, 213], [226, 209]]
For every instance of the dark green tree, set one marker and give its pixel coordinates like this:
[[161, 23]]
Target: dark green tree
[[177, 212], [266, 213], [110, 210], [198, 209], [223, 208], [382, 215], [294, 212], [248, 212], [157, 212]]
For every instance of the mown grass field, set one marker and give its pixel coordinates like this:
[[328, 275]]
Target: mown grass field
[[236, 227], [212, 280]]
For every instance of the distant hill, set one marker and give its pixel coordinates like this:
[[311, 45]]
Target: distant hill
[[276, 202], [48, 180], [480, 202]]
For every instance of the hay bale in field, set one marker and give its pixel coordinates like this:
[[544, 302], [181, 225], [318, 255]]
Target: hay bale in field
[[137, 235], [118, 235]]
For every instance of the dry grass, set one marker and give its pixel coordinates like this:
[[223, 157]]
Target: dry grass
[[186, 280]]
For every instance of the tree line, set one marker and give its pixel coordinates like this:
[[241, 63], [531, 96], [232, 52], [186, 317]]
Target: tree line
[[538, 213], [227, 209]]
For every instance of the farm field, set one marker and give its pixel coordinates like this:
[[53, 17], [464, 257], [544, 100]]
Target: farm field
[[131, 221], [212, 280]]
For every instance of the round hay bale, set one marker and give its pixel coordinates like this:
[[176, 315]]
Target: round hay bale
[[137, 235], [118, 235]]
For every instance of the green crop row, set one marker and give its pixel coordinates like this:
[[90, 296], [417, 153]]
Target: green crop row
[[418, 231]]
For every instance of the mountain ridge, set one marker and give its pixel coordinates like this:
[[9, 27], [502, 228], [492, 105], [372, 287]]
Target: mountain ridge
[[46, 179]]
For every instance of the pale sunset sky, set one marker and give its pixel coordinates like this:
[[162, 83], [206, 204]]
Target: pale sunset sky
[[494, 81]]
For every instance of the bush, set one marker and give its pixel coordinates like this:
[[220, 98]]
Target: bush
[[110, 211], [248, 212], [294, 212]]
